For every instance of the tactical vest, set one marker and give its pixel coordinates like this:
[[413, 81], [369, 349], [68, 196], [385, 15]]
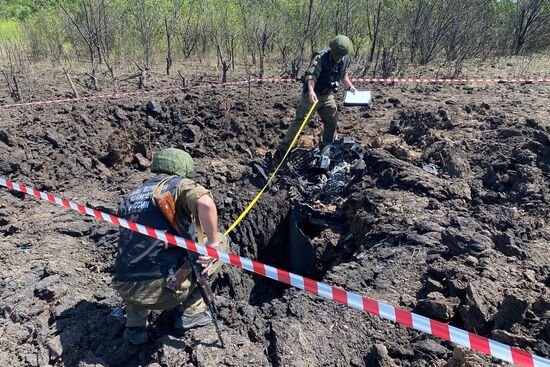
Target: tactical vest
[[330, 72], [141, 257]]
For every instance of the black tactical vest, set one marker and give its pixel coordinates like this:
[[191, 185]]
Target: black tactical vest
[[141, 257], [330, 72]]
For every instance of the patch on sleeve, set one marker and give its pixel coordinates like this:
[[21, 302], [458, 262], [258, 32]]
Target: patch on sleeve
[[315, 67]]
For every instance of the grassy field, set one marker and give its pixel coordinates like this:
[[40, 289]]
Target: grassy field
[[10, 31]]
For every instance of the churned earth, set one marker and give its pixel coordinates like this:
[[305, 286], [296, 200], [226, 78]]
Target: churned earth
[[451, 219]]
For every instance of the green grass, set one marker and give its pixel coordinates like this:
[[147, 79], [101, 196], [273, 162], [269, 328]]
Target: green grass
[[10, 31]]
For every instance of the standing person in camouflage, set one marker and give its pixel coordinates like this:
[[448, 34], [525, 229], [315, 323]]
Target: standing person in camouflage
[[144, 266], [328, 67]]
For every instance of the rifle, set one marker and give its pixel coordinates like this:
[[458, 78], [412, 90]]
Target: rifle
[[165, 202]]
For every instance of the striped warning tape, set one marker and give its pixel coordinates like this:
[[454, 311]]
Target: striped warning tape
[[444, 331], [276, 80], [142, 93], [454, 80]]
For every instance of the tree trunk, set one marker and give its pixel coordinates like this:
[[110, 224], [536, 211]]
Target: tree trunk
[[262, 55], [297, 61], [169, 45], [93, 70], [225, 68]]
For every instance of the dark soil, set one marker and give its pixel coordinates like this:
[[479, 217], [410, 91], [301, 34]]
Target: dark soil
[[451, 220]]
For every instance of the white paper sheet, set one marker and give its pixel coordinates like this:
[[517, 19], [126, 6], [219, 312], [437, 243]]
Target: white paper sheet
[[359, 98]]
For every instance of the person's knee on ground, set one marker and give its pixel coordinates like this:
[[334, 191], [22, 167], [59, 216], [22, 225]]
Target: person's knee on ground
[[144, 287]]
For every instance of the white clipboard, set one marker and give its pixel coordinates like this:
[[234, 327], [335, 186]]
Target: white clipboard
[[359, 98]]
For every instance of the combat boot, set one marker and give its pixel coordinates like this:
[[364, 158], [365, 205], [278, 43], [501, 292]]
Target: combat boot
[[136, 335], [186, 322]]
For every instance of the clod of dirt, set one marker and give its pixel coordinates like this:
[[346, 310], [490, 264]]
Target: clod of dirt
[[379, 357], [154, 108], [512, 311], [468, 245], [506, 243], [6, 138], [141, 162], [438, 306]]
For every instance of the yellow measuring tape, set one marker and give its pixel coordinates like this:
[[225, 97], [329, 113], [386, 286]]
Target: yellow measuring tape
[[245, 212]]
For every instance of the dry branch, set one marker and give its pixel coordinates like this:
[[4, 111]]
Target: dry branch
[[75, 93], [14, 90], [183, 82], [143, 75]]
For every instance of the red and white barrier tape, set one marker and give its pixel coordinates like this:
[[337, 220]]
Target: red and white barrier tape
[[454, 80], [354, 300], [273, 80], [141, 93]]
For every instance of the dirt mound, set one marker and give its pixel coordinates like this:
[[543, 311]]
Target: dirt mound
[[450, 219]]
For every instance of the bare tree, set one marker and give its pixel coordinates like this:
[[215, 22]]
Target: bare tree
[[224, 36], [146, 18], [94, 21], [11, 82], [283, 40], [427, 27], [264, 40], [249, 18], [307, 30], [342, 16], [378, 42], [529, 19], [466, 35], [258, 34], [169, 24], [387, 35], [191, 28], [294, 27], [374, 19], [350, 21], [105, 29], [86, 36], [377, 25]]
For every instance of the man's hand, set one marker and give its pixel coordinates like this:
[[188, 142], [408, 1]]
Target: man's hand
[[207, 261], [312, 97], [310, 88], [348, 85]]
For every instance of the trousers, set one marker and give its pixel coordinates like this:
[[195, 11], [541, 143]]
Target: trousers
[[146, 295], [327, 110]]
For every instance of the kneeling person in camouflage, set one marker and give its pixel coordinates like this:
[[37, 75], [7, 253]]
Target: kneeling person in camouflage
[[145, 267]]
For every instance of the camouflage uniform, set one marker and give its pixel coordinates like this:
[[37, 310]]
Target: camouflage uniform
[[326, 106], [152, 294]]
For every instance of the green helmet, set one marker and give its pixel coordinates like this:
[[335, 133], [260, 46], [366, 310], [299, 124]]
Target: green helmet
[[339, 47], [173, 161]]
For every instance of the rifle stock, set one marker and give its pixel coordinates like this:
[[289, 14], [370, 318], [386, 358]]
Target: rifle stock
[[165, 203]]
